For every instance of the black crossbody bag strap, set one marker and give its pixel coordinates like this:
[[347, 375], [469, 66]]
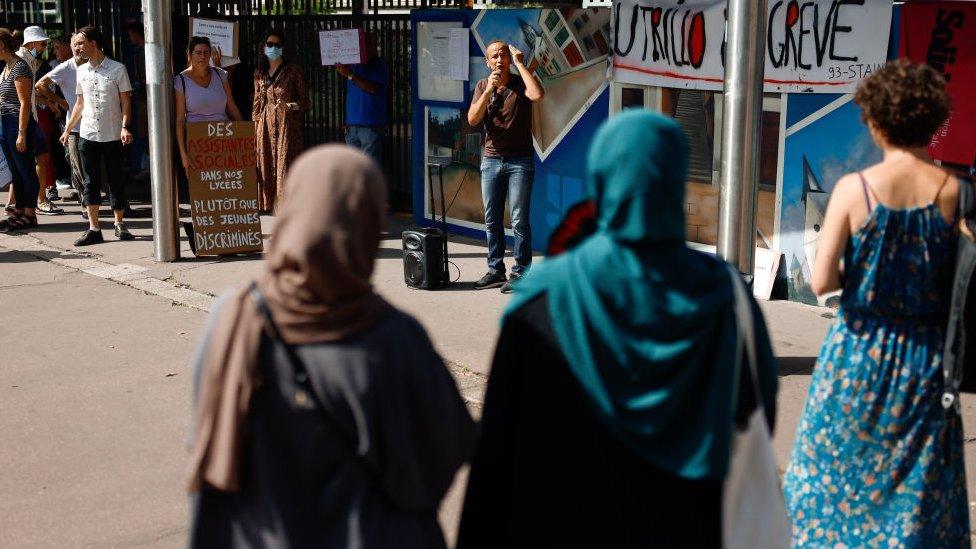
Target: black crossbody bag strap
[[306, 390], [967, 203], [954, 352]]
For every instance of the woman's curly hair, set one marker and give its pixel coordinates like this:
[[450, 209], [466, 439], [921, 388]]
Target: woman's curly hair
[[907, 102]]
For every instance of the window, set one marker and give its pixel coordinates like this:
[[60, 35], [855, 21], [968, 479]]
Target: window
[[578, 25], [572, 54], [552, 20], [585, 18], [700, 114], [768, 149], [588, 44], [561, 37], [632, 98], [601, 42]]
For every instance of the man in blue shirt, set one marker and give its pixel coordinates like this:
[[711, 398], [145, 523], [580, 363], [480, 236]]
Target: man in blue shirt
[[366, 100]]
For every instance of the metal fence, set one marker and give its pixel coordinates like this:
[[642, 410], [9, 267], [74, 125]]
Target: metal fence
[[300, 20], [327, 90]]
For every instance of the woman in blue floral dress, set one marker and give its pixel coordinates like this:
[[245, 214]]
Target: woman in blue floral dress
[[878, 461]]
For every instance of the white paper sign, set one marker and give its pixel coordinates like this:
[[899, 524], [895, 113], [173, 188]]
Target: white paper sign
[[222, 34], [440, 51], [449, 49], [459, 66], [342, 46], [816, 46]]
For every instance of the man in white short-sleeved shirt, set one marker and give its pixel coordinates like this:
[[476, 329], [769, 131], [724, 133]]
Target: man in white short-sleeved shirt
[[64, 76], [104, 108]]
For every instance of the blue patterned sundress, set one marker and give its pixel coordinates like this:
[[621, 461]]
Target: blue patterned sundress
[[878, 462]]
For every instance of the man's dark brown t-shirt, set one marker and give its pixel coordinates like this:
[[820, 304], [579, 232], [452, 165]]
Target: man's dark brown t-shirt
[[508, 121]]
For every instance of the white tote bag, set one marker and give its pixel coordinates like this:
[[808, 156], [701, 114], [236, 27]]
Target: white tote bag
[[753, 510], [5, 176]]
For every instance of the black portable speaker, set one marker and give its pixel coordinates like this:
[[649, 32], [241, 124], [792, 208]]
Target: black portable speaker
[[425, 258]]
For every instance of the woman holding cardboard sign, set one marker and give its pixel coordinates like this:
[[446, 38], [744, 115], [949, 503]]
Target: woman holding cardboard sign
[[202, 94], [280, 98]]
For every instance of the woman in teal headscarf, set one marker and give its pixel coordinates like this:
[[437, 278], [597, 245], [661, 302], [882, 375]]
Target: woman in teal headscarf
[[609, 412]]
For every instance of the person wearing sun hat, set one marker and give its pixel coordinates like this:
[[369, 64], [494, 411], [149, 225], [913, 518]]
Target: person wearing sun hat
[[32, 50]]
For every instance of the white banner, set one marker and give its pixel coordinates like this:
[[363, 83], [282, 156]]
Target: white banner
[[814, 46]]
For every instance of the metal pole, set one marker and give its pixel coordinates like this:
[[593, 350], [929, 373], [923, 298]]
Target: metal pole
[[744, 64], [158, 16]]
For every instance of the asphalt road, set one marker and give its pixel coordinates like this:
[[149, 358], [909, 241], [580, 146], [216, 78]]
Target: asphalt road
[[95, 390]]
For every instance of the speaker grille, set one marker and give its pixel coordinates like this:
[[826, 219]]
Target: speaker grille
[[412, 242], [413, 268]]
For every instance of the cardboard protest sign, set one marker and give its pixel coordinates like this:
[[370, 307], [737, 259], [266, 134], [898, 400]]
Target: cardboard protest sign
[[222, 34], [817, 46], [346, 46], [223, 188]]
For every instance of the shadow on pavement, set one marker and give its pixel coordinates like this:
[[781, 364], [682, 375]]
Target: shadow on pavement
[[796, 365], [51, 224], [38, 255]]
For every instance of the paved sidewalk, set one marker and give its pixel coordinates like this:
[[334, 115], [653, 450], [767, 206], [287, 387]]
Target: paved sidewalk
[[462, 322]]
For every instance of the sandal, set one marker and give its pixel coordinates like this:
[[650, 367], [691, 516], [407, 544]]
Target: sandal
[[20, 223], [11, 215]]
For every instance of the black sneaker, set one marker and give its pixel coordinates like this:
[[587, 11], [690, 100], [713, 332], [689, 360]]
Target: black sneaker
[[122, 232], [52, 194], [507, 287], [490, 280], [90, 237]]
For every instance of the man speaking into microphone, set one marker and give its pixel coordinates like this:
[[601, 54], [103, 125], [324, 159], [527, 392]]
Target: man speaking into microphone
[[502, 107]]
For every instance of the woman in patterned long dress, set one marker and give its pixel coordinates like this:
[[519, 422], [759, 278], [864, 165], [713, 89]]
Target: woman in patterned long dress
[[878, 461], [280, 98]]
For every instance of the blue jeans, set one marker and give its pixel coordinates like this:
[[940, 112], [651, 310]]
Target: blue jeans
[[512, 177], [22, 165], [367, 138]]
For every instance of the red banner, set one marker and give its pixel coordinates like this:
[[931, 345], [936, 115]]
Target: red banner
[[943, 34]]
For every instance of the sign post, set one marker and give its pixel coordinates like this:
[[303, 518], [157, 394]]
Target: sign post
[[740, 133], [159, 89], [223, 188]]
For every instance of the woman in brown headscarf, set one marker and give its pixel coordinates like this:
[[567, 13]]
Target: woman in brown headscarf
[[359, 454]]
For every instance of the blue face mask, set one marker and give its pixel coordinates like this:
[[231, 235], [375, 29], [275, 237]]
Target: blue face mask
[[272, 53], [34, 53]]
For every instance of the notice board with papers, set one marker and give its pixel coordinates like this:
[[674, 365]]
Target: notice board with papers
[[435, 64]]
